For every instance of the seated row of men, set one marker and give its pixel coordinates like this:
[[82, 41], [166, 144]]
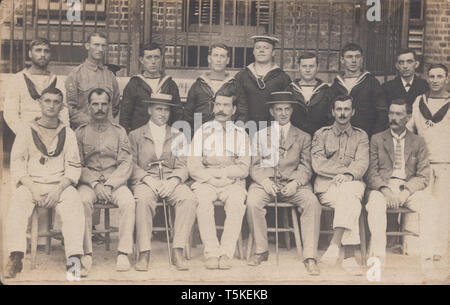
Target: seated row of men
[[49, 161]]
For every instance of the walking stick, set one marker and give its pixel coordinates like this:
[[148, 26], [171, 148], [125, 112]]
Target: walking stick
[[165, 212], [276, 215]]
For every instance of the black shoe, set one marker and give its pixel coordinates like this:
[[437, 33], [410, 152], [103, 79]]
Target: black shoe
[[14, 265], [256, 259], [311, 266], [142, 263], [178, 259]]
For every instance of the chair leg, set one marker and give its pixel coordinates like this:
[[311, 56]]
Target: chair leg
[[285, 221], [249, 244], [170, 222], [34, 237], [107, 234], [187, 248], [362, 236], [48, 245], [298, 241]]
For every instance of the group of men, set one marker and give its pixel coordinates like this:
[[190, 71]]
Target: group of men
[[341, 146]]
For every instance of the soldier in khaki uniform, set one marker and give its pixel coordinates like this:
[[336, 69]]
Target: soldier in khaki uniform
[[293, 171], [107, 164], [152, 143], [340, 157], [219, 163]]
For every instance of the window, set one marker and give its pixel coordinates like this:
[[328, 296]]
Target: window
[[416, 9], [94, 10]]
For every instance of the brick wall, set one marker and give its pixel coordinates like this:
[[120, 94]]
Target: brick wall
[[437, 32]]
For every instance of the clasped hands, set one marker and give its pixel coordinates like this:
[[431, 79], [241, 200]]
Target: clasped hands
[[219, 177], [162, 188], [395, 200], [45, 200], [271, 188]]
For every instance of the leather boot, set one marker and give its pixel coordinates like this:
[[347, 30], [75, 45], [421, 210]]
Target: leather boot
[[178, 259], [142, 263], [14, 265]]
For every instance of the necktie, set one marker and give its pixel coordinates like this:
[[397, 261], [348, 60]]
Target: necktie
[[407, 86], [282, 144], [398, 154]]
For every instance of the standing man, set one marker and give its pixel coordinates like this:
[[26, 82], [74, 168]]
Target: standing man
[[313, 110], [258, 80], [25, 88], [45, 167], [150, 144], [219, 163], [293, 171], [407, 85], [107, 164], [431, 120], [87, 76], [201, 95], [340, 157], [153, 80], [398, 173], [365, 90]]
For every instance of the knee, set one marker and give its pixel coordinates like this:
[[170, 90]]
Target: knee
[[22, 195], [376, 203]]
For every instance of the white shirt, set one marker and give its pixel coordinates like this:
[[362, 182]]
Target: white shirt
[[307, 93], [159, 137], [399, 173], [404, 82]]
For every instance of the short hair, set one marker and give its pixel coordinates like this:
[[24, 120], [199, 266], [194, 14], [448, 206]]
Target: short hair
[[406, 51], [228, 90], [401, 101], [150, 47], [342, 98], [96, 34], [438, 66], [221, 46], [308, 55], [351, 46], [40, 41], [52, 90], [98, 91]]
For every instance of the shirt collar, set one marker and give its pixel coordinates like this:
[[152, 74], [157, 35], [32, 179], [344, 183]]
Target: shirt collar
[[405, 82], [338, 132], [400, 137], [92, 66], [153, 126], [285, 129]]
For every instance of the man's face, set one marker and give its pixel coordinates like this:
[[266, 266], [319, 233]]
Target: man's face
[[281, 113], [352, 61], [151, 61], [159, 114], [99, 106], [308, 69], [263, 52], [406, 65], [51, 105], [218, 60], [40, 55], [96, 47], [223, 109], [398, 117], [437, 80], [343, 111]]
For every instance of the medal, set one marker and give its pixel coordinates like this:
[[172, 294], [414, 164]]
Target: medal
[[43, 160]]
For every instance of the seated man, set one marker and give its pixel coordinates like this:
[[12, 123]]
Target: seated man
[[399, 171], [293, 171], [45, 166], [340, 157], [107, 163], [150, 144], [219, 163]]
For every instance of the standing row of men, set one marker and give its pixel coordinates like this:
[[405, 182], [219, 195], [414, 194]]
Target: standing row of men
[[337, 155]]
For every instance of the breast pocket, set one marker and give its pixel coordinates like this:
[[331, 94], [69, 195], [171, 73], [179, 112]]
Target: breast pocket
[[88, 150]]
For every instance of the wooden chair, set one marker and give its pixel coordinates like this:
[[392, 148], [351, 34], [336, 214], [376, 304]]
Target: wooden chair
[[401, 232], [284, 208], [107, 224], [362, 231]]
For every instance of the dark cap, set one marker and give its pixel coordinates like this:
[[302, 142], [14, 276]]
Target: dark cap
[[281, 97]]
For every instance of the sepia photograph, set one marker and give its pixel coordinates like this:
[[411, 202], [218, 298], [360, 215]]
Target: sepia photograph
[[214, 143]]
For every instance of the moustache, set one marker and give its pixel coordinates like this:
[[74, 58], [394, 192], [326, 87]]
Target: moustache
[[342, 116], [100, 112], [220, 113], [393, 123]]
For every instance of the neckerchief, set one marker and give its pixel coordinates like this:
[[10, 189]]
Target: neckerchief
[[432, 119], [43, 149], [32, 87]]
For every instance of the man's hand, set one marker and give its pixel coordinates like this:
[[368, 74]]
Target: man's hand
[[53, 197], [168, 186], [220, 182], [341, 178], [37, 194], [393, 201], [216, 173], [270, 187], [153, 184], [404, 195], [289, 189], [103, 193]]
